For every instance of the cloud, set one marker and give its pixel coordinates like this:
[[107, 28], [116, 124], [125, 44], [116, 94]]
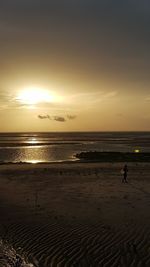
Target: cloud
[[6, 100], [10, 101], [71, 117], [53, 118], [89, 100], [57, 118], [5, 96], [42, 117]]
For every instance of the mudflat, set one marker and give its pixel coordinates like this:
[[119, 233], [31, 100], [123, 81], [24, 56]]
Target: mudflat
[[77, 214]]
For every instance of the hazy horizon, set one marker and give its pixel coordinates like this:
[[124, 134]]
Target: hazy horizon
[[74, 132]]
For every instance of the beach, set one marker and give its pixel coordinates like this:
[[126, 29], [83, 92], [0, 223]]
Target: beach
[[77, 214]]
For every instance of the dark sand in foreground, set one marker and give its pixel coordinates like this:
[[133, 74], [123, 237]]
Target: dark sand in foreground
[[77, 214]]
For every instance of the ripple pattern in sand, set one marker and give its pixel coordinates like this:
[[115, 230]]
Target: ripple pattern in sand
[[78, 245]]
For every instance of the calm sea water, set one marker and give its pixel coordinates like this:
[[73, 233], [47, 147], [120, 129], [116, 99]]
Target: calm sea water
[[54, 147]]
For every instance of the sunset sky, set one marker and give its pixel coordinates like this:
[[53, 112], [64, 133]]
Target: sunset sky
[[74, 65]]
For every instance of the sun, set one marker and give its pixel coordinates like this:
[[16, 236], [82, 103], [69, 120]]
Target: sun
[[34, 95]]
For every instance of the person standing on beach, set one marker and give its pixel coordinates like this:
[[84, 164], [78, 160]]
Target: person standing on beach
[[125, 172]]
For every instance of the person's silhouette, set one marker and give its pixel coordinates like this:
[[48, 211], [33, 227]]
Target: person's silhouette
[[125, 172]]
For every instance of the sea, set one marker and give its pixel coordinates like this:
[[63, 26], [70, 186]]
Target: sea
[[63, 146]]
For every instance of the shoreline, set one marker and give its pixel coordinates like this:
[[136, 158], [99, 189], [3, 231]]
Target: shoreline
[[93, 157]]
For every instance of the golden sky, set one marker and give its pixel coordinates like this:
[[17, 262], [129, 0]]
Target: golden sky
[[74, 65]]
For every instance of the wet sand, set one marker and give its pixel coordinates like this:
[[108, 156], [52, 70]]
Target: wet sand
[[77, 214]]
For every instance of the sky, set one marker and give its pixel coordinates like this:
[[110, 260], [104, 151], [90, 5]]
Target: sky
[[74, 65]]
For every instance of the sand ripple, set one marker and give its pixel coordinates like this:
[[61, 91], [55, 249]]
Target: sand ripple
[[62, 245]]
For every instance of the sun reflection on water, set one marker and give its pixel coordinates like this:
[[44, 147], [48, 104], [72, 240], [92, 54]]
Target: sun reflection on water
[[33, 141], [34, 161]]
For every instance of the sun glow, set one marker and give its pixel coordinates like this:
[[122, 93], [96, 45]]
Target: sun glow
[[34, 95]]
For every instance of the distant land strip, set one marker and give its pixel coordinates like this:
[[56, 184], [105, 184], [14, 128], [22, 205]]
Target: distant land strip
[[113, 156]]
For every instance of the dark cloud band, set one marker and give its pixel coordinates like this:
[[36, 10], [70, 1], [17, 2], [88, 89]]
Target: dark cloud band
[[57, 118]]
